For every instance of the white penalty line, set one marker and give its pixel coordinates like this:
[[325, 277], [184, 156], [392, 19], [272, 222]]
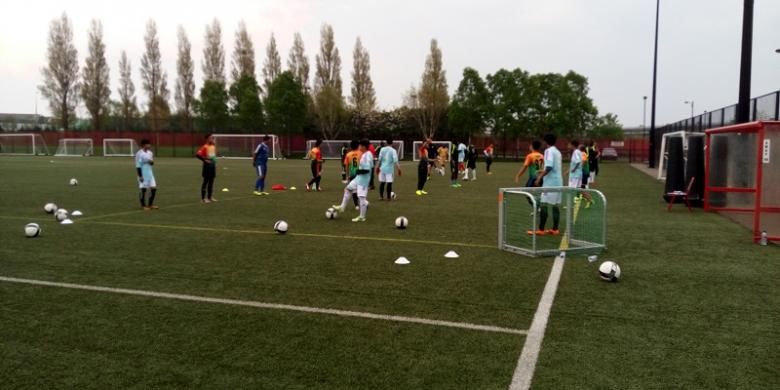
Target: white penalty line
[[265, 305], [524, 372]]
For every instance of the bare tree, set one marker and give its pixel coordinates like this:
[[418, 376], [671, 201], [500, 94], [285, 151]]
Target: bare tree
[[363, 95], [432, 96], [243, 54], [95, 89], [185, 82], [298, 63], [154, 78], [128, 109], [214, 54], [328, 99], [61, 77], [273, 63]]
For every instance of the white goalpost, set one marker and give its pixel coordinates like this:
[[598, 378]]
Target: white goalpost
[[119, 147], [685, 135], [22, 144], [74, 147], [243, 145], [437, 144]]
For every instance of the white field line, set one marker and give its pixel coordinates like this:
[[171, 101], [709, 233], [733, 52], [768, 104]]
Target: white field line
[[265, 305], [524, 372]]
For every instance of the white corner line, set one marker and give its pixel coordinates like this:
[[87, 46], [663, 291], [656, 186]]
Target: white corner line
[[524, 372], [265, 305]]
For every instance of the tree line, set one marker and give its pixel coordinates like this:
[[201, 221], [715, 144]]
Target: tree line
[[508, 103]]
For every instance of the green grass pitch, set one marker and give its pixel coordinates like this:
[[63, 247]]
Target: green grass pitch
[[697, 306]]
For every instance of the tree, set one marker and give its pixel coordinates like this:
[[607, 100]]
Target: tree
[[95, 89], [606, 127], [273, 63], [298, 63], [127, 107], [243, 54], [467, 114], [432, 97], [246, 104], [363, 96], [214, 54], [61, 76], [508, 106], [185, 82], [154, 78], [328, 99], [212, 106], [286, 105]]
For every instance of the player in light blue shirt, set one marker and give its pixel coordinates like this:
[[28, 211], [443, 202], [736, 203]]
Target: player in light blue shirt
[[360, 183], [144, 159], [388, 163], [552, 178]]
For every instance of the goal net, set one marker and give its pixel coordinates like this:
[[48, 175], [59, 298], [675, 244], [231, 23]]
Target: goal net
[[243, 145], [436, 144], [582, 223], [685, 136], [119, 147], [22, 144], [74, 147], [330, 149]]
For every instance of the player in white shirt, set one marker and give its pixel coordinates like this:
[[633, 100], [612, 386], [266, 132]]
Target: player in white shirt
[[387, 163], [551, 176], [144, 159], [360, 183], [462, 148], [575, 166]]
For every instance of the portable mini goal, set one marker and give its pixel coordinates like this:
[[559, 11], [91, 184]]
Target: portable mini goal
[[685, 136], [119, 147], [742, 177], [583, 222], [244, 145], [22, 144], [74, 147]]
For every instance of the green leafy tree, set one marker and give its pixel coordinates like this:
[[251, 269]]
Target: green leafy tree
[[246, 105], [328, 99], [467, 114], [508, 107], [212, 106], [606, 127], [286, 106]]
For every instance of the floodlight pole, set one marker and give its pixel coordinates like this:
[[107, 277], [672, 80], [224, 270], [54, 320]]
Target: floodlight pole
[[651, 152], [746, 62]]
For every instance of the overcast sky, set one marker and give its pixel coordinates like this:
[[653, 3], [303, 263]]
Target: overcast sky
[[609, 41]]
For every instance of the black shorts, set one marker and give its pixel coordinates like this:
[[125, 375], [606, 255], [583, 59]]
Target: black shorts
[[209, 171]]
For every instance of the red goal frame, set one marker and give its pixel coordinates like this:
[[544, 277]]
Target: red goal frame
[[762, 209]]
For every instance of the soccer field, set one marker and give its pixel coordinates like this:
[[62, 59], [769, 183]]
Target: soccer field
[[207, 295]]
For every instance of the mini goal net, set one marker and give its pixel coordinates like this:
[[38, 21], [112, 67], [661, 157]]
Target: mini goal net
[[582, 223], [119, 147], [74, 147], [436, 144], [22, 144], [243, 145]]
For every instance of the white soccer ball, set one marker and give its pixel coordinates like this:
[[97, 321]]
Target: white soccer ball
[[74, 182], [61, 215], [280, 227], [32, 230], [50, 208], [393, 196], [401, 222], [331, 213], [609, 271]]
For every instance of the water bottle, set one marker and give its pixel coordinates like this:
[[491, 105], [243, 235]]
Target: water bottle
[[764, 238]]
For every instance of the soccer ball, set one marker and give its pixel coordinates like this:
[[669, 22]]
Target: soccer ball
[[74, 182], [50, 208], [401, 222], [392, 196], [61, 215], [609, 271], [32, 230], [280, 227], [331, 213]]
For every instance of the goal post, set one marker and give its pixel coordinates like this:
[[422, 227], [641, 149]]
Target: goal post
[[242, 146], [74, 147], [582, 224], [437, 144], [119, 147], [663, 163], [22, 144]]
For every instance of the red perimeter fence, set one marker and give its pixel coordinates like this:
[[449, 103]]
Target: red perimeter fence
[[184, 144]]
